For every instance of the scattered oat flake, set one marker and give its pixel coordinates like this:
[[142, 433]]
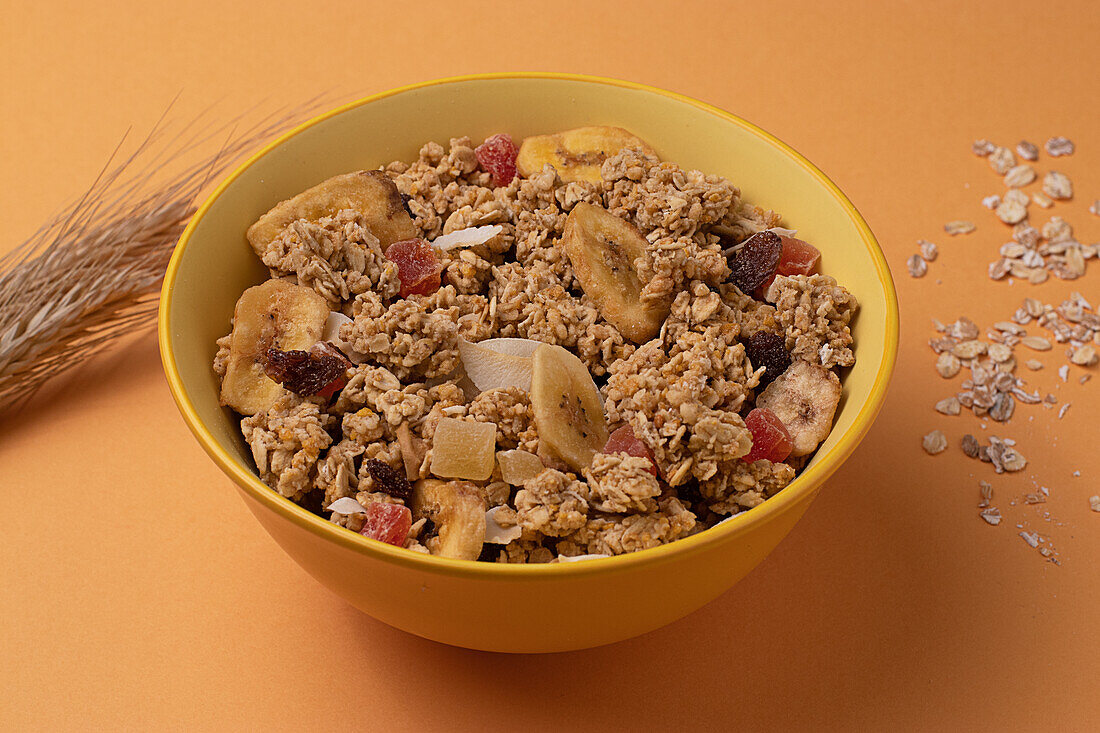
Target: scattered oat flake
[[1041, 199], [1085, 356], [1027, 150], [935, 442], [1063, 372], [1062, 411], [970, 445], [1011, 212], [959, 226], [1095, 207], [992, 516], [982, 147], [992, 202], [1038, 343], [1032, 538], [1001, 160], [1094, 503], [1019, 176], [1057, 185], [928, 250], [1033, 364], [1057, 146], [949, 406], [917, 266]]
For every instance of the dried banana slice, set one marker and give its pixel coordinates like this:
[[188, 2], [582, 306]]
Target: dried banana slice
[[370, 193], [805, 398], [576, 154], [457, 508], [568, 411], [277, 313], [603, 250]]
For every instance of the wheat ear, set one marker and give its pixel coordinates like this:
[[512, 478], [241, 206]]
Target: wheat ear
[[91, 274]]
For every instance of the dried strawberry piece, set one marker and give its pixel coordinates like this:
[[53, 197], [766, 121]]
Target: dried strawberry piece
[[755, 263], [797, 258], [622, 440], [387, 480], [417, 266], [768, 350], [389, 523], [497, 155], [318, 371], [770, 438]]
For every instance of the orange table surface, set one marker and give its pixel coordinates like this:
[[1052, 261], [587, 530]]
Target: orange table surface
[[138, 592]]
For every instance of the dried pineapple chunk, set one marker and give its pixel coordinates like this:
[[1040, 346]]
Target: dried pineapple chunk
[[576, 154], [370, 193], [462, 449], [517, 466], [276, 314]]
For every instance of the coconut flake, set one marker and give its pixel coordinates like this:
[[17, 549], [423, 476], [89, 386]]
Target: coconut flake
[[347, 505], [578, 558], [496, 363], [470, 237], [332, 335], [497, 534]]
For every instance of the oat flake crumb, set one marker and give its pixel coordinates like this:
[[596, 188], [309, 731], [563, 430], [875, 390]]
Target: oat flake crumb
[[1094, 503], [991, 202], [935, 442], [992, 515], [1032, 538], [928, 250], [1095, 207]]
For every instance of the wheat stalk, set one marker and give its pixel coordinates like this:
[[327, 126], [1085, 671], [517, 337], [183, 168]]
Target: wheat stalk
[[91, 274]]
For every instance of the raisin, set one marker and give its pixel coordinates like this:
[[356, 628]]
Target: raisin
[[405, 199], [756, 262], [387, 480], [497, 155], [768, 350], [307, 373]]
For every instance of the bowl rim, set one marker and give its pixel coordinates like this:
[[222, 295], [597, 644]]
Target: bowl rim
[[805, 484]]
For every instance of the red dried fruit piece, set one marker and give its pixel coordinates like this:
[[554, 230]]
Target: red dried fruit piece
[[797, 258], [622, 440], [770, 438], [387, 523], [498, 156], [417, 266], [318, 371], [755, 263], [387, 480], [768, 350]]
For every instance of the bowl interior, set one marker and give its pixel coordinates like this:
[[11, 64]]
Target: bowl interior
[[214, 263]]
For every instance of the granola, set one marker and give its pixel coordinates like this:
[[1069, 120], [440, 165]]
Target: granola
[[504, 398]]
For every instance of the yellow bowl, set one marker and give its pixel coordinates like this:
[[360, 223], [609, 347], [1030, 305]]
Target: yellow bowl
[[517, 608]]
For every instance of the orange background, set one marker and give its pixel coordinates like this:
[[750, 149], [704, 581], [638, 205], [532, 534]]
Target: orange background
[[139, 593]]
